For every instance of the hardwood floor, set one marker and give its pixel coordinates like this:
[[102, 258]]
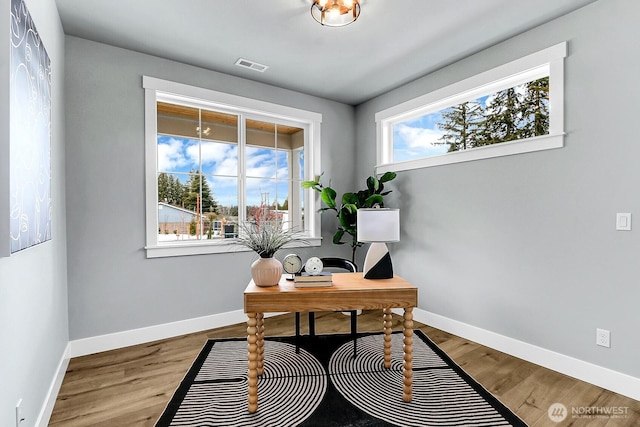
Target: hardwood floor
[[131, 386]]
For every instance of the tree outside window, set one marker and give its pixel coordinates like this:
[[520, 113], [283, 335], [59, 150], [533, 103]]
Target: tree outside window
[[511, 114]]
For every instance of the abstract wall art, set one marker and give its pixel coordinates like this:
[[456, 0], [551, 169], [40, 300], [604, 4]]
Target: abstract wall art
[[29, 133]]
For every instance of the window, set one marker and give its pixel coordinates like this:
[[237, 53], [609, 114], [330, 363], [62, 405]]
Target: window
[[215, 160], [515, 108]]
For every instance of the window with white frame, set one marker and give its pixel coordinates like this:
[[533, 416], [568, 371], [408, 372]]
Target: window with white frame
[[215, 160], [511, 109]]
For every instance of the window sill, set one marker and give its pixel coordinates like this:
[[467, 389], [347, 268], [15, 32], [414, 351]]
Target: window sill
[[205, 248], [540, 143]]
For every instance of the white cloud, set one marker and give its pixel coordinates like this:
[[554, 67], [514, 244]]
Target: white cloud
[[283, 172], [417, 142], [222, 159], [264, 171], [171, 155], [419, 137], [212, 152], [227, 166], [260, 163]]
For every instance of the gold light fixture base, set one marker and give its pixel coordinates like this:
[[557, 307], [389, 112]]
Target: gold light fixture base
[[335, 13]]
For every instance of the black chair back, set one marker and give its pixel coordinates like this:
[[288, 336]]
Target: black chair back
[[341, 263]]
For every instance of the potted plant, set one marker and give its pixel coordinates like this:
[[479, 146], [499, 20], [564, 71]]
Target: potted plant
[[347, 207], [265, 234]]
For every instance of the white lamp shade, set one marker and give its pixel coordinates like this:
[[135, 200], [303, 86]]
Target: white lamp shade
[[378, 225]]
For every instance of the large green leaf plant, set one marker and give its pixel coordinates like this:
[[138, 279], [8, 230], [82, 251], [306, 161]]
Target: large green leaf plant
[[346, 209]]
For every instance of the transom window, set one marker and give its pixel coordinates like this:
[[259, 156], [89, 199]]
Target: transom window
[[212, 165], [511, 109]]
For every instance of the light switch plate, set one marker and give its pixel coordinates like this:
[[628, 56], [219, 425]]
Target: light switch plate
[[19, 416], [623, 221]]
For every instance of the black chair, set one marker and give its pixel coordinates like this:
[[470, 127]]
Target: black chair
[[333, 264]]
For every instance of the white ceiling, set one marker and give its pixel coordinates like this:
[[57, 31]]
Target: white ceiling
[[393, 42]]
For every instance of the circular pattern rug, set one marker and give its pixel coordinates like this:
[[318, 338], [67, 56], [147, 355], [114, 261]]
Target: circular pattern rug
[[324, 385], [288, 394], [435, 386]]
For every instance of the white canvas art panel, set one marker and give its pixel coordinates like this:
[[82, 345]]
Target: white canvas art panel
[[29, 134]]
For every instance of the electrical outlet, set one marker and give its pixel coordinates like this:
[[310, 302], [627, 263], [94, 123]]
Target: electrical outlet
[[603, 337], [19, 416]]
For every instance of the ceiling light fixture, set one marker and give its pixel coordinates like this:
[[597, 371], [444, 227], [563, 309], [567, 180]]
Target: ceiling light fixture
[[335, 13]]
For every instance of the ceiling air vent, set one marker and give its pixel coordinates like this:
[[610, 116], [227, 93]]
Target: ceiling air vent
[[251, 65]]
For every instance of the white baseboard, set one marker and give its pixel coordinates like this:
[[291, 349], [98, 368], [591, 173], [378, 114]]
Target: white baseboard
[[116, 340], [602, 377], [52, 393], [107, 342]]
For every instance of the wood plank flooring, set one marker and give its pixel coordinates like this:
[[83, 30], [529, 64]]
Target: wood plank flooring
[[131, 386]]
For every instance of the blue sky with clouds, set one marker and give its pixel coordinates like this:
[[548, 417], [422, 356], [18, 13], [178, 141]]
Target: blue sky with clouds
[[267, 170], [419, 138]]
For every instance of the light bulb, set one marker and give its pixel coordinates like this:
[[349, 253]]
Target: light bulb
[[334, 11]]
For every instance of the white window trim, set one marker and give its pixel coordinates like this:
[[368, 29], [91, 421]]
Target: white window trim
[[155, 87], [549, 61]]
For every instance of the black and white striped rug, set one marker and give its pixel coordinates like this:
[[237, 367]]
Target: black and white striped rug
[[323, 385]]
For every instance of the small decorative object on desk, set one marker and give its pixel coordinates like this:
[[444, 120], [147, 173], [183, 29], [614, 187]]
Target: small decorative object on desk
[[265, 234], [306, 280], [313, 266], [292, 264]]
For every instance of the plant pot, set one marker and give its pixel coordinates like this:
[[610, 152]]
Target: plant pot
[[266, 271]]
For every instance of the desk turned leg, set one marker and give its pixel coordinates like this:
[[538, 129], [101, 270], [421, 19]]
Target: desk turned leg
[[387, 337], [407, 367], [260, 334], [252, 374]]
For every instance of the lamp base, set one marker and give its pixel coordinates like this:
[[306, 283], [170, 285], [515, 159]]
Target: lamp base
[[377, 264]]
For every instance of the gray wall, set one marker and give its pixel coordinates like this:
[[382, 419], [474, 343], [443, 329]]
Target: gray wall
[[112, 286], [525, 246], [33, 282]]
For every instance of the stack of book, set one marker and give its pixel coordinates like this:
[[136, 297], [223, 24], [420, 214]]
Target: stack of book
[[306, 280]]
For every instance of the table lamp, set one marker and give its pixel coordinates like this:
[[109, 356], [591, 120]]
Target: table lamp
[[378, 226]]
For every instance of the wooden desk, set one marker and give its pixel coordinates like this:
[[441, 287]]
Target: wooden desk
[[350, 291]]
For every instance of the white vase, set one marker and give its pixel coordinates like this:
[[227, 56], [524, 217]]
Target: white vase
[[266, 271]]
